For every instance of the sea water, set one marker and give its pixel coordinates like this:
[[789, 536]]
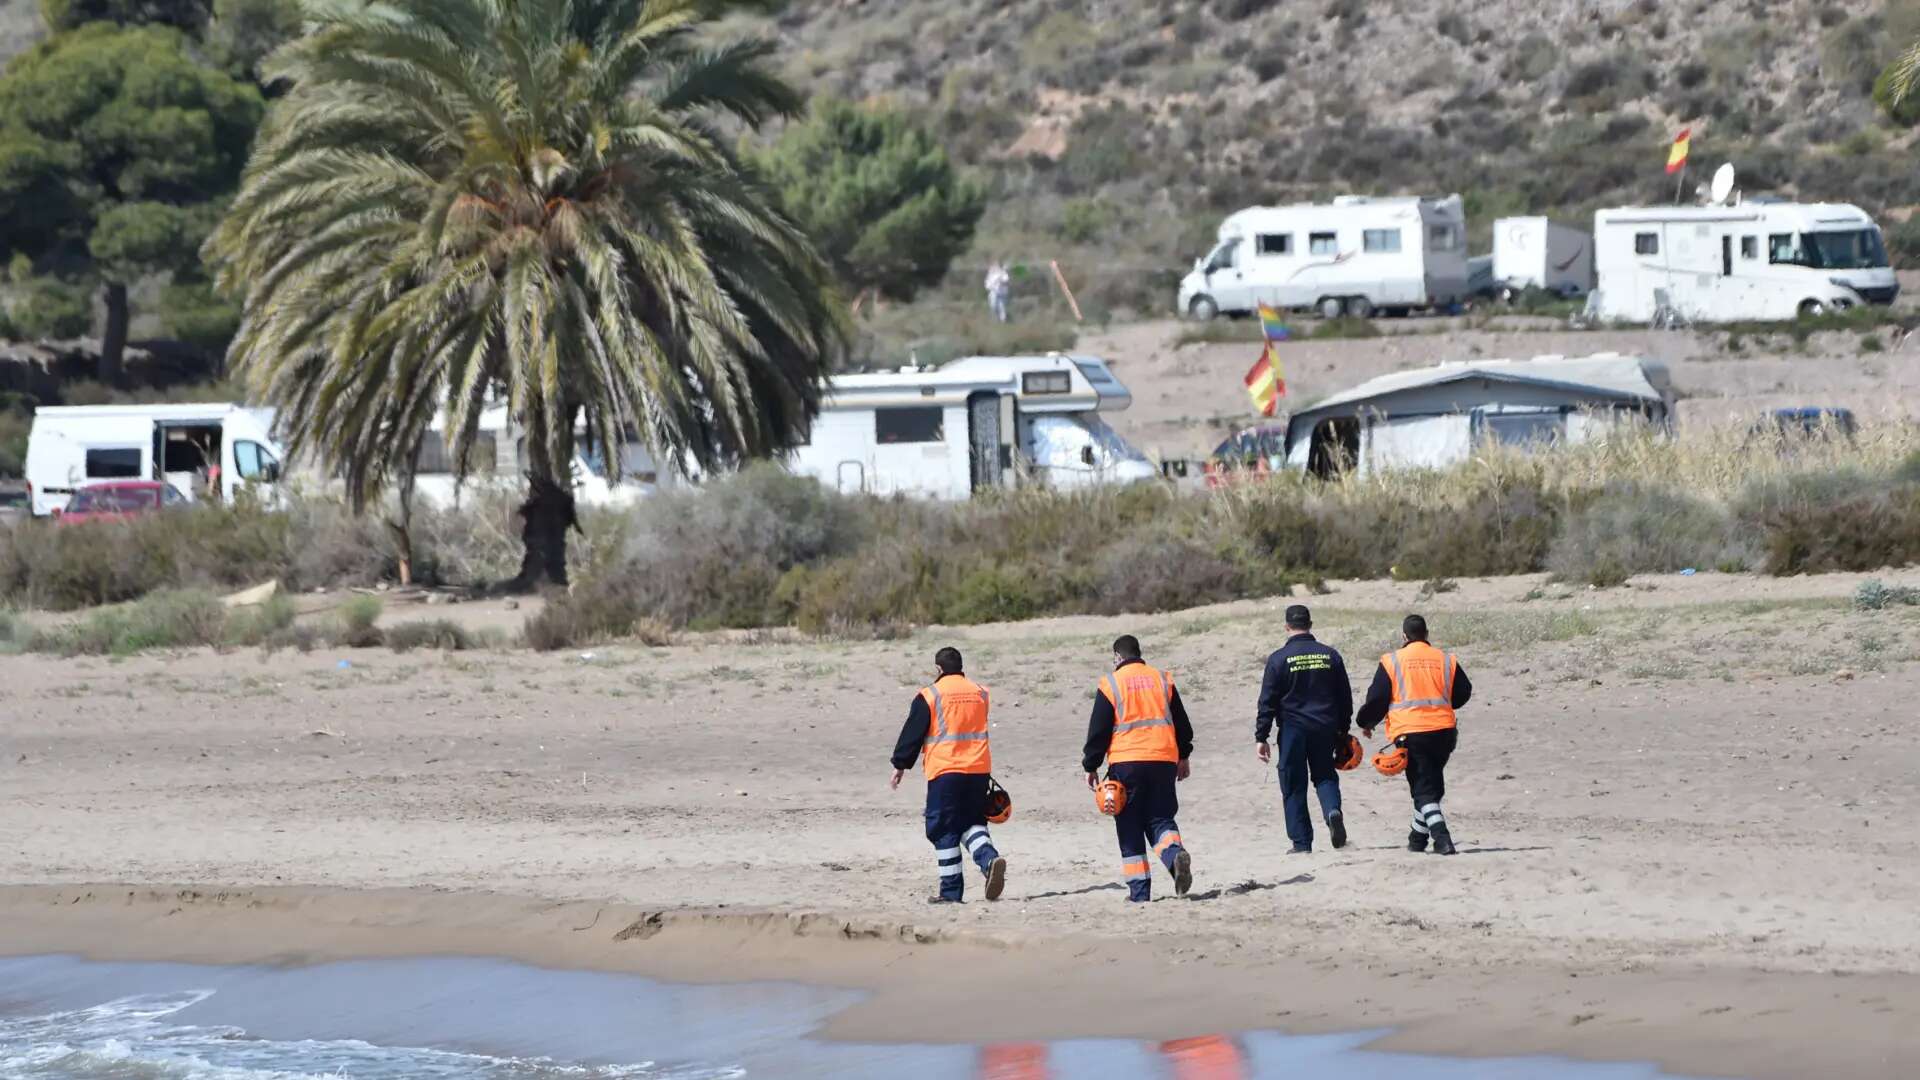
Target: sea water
[[71, 1019]]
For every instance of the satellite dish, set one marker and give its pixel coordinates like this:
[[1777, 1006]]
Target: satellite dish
[[1722, 184]]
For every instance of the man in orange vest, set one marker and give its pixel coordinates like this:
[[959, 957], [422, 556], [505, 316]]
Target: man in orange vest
[[1416, 689], [948, 721], [1140, 727]]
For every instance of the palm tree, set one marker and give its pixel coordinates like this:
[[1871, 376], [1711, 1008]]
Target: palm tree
[[460, 201]]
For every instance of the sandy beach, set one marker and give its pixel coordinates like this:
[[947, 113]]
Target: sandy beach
[[1685, 811]]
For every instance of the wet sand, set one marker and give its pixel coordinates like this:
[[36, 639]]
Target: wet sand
[[1684, 814]]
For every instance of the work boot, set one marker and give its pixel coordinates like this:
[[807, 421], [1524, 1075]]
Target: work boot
[[1298, 850], [1182, 873], [996, 877], [1416, 840], [938, 899], [1337, 825], [1442, 841]]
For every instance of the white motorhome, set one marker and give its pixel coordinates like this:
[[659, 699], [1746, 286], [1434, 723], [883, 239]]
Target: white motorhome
[[1537, 253], [1354, 256], [1757, 259], [204, 451], [499, 455], [983, 422]]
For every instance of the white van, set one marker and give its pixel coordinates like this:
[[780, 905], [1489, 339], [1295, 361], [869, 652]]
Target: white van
[[1754, 260], [978, 423], [1354, 256], [206, 452], [1536, 253]]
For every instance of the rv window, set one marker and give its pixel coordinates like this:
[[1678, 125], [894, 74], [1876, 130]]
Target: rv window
[[909, 425], [1380, 240], [253, 462], [1749, 247], [1223, 256], [1646, 243], [1781, 249], [1525, 429], [483, 457], [115, 464], [1443, 237], [1323, 243], [1046, 382], [1273, 244]]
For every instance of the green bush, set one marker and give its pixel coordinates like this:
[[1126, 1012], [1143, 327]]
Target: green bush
[[259, 624], [440, 634], [1842, 520], [358, 618], [1633, 530], [1877, 595], [172, 619]]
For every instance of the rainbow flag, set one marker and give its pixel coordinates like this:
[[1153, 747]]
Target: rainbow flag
[[1677, 157], [1271, 327], [1266, 383]]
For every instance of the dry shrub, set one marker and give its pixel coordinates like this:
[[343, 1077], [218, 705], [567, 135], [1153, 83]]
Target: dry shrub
[[1163, 570], [1635, 529], [429, 634], [171, 619], [594, 611]]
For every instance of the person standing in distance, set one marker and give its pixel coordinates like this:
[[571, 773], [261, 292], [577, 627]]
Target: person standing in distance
[[1306, 695], [1416, 690], [1140, 727], [948, 721]]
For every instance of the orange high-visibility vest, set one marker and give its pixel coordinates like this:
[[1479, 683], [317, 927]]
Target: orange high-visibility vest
[[1207, 1057], [1422, 689], [957, 729], [1142, 699]]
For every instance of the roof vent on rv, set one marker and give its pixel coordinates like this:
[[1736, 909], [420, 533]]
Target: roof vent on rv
[[1349, 200]]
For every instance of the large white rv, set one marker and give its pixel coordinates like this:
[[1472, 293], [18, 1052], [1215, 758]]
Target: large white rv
[[499, 454], [983, 422], [1536, 253], [204, 451], [1753, 260], [1354, 256]]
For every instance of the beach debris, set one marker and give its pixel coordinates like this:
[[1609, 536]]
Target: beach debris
[[344, 665], [253, 597], [1688, 572], [589, 657]]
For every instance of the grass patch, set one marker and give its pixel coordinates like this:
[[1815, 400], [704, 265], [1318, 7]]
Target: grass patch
[[1876, 595], [358, 618]]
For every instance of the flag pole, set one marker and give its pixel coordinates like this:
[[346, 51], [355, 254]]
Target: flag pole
[[1681, 182]]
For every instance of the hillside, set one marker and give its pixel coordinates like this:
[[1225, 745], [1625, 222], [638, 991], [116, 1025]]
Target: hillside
[[1114, 132]]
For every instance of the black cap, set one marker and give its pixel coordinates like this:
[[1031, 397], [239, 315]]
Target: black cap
[[1299, 618]]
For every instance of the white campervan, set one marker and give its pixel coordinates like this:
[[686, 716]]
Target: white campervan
[[1537, 253], [203, 451], [1753, 260], [1354, 256], [498, 456], [978, 423]]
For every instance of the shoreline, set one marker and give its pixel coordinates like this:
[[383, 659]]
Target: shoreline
[[1696, 1020]]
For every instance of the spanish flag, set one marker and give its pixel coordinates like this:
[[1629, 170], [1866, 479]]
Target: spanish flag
[[1266, 384], [1677, 157]]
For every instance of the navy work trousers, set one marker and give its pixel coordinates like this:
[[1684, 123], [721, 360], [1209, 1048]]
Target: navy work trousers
[[1307, 755], [956, 819]]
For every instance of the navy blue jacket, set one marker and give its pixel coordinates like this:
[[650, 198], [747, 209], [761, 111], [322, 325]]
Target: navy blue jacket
[[1306, 684]]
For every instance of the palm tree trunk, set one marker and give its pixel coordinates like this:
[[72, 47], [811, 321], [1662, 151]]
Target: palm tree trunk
[[547, 515], [113, 342]]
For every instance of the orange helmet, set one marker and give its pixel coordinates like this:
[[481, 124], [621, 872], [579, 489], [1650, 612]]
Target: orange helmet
[[999, 803], [1391, 760], [1110, 797], [1349, 755]]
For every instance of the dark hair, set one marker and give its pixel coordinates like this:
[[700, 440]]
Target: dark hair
[[1299, 618], [1126, 647], [1414, 627], [947, 660]]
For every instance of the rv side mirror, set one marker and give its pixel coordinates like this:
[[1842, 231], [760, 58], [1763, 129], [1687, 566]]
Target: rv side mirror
[[1086, 455], [270, 472]]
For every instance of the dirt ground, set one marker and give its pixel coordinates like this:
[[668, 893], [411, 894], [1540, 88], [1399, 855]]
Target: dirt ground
[[1187, 398], [1686, 811]]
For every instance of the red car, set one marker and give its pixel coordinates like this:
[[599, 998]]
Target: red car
[[114, 500]]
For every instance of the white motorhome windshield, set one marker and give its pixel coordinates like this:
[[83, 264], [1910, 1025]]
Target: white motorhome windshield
[[1844, 249]]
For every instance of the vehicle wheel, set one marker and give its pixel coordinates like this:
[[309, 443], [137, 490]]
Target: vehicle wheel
[[1812, 309], [1332, 307], [1202, 308], [1360, 307]]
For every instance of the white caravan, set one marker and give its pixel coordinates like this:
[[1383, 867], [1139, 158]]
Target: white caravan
[[1355, 256], [1751, 260], [499, 457], [978, 423], [211, 451], [1535, 253]]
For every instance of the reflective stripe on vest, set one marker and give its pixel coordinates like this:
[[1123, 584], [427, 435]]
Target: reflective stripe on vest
[[956, 728], [1142, 715], [1407, 715]]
